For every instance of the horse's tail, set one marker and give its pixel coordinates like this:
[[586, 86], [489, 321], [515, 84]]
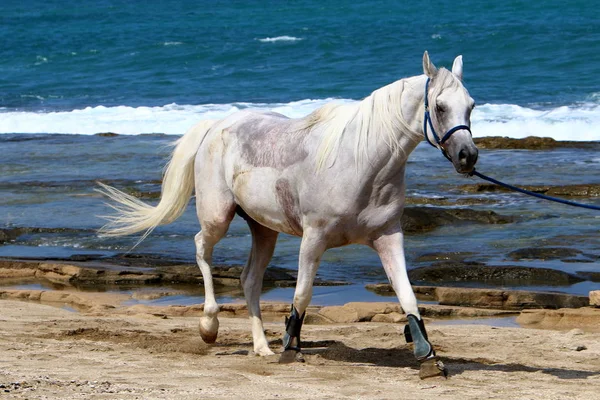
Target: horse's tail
[[133, 215]]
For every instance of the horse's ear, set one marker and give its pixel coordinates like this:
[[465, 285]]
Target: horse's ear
[[428, 68], [457, 67]]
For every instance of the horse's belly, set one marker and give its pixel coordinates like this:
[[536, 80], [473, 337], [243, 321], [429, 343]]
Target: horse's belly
[[269, 199]]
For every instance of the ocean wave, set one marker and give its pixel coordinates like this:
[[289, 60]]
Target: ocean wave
[[279, 39], [578, 122], [169, 119]]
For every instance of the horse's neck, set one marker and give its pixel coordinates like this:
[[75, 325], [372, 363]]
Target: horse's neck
[[389, 149]]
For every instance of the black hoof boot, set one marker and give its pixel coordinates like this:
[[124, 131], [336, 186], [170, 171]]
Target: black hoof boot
[[415, 332], [291, 338]]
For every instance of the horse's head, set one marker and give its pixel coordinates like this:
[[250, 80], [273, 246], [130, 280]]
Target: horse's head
[[448, 109]]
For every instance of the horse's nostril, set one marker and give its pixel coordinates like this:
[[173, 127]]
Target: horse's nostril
[[462, 156]]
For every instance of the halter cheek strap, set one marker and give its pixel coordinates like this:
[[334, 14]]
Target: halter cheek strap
[[427, 122]]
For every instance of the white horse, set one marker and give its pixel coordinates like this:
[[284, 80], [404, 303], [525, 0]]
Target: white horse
[[334, 177]]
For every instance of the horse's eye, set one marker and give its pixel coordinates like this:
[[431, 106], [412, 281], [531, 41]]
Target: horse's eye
[[440, 109]]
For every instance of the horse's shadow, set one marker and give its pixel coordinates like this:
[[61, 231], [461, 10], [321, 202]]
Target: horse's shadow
[[402, 357], [337, 351]]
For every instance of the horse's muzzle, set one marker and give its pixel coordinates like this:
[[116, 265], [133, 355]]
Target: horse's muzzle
[[465, 158]]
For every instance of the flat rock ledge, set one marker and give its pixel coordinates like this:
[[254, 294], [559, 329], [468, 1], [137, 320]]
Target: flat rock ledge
[[490, 298], [94, 274], [586, 318], [106, 304], [595, 298], [111, 303], [447, 273], [530, 143], [588, 190]]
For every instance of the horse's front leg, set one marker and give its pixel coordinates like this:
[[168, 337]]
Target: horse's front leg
[[390, 247], [311, 249]]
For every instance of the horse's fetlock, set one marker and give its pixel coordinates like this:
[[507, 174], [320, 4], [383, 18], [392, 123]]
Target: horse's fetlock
[[211, 311]]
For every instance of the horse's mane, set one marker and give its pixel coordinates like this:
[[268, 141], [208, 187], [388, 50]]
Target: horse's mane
[[378, 115]]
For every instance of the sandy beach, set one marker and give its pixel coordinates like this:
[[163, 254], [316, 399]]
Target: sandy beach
[[114, 351]]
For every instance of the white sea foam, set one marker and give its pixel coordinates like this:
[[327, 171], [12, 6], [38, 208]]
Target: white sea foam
[[170, 119], [581, 122], [280, 39]]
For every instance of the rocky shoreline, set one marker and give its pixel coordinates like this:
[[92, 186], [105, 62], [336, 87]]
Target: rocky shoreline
[[144, 282], [130, 269], [422, 215]]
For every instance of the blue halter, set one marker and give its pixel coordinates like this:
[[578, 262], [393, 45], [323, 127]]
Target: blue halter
[[427, 121]]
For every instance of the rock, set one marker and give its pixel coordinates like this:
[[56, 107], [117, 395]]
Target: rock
[[444, 256], [512, 300], [313, 318], [586, 319], [425, 219], [595, 298], [15, 294], [439, 311], [578, 347], [489, 298], [12, 234], [589, 275], [423, 293], [106, 134], [529, 143], [451, 272], [445, 202], [382, 289], [587, 190], [357, 312], [140, 269], [154, 295], [544, 253], [575, 191], [339, 314], [393, 318]]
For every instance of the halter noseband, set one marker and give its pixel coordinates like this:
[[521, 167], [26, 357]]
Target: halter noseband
[[427, 121]]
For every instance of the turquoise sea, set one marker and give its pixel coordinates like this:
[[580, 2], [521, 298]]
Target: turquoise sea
[[69, 70], [154, 66]]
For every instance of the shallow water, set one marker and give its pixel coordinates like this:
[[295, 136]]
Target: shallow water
[[47, 181]]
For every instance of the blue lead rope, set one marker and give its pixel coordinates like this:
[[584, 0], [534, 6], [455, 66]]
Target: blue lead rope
[[439, 142], [534, 194]]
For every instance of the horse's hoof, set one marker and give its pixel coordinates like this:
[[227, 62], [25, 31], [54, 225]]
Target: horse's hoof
[[263, 352], [207, 336], [209, 328], [289, 356], [431, 368]]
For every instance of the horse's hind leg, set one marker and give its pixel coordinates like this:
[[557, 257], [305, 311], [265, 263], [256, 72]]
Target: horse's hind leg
[[263, 245], [212, 231], [390, 248]]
